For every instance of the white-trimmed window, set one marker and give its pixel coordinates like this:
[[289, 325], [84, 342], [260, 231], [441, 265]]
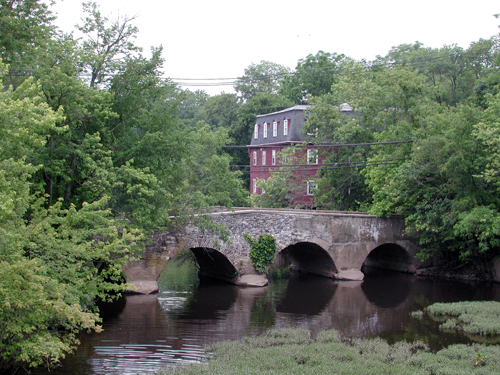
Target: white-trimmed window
[[256, 131], [312, 156], [263, 190], [285, 126], [265, 130], [263, 157], [273, 157], [311, 187], [255, 158], [254, 186], [275, 128]]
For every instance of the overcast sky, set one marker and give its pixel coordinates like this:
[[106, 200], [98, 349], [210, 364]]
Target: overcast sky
[[220, 38]]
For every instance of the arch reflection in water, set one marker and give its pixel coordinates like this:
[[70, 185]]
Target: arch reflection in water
[[308, 295], [210, 300], [385, 288]]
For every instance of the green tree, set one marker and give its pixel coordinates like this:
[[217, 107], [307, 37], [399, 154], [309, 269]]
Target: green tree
[[192, 105], [54, 262], [313, 76], [107, 44], [25, 29], [451, 70], [265, 78], [221, 111]]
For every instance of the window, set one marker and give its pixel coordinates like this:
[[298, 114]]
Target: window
[[254, 186], [275, 128], [256, 131], [312, 156], [255, 158], [311, 187], [273, 157], [285, 126], [263, 158], [263, 190], [265, 129]]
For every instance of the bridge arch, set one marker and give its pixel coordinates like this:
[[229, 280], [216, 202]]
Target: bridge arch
[[389, 256], [213, 264], [309, 257]]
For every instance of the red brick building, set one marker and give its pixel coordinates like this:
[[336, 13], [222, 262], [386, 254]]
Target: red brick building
[[272, 133], [275, 131]]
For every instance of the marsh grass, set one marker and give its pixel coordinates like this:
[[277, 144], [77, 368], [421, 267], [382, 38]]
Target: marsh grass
[[293, 351], [479, 320]]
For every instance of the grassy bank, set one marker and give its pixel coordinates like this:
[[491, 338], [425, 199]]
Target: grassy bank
[[294, 352], [290, 351]]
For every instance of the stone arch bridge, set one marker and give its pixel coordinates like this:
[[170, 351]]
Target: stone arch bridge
[[328, 243]]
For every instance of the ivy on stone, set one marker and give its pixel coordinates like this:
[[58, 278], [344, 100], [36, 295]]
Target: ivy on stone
[[263, 251]]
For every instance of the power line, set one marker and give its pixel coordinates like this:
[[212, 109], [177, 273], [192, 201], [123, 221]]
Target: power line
[[265, 168], [320, 145], [320, 168]]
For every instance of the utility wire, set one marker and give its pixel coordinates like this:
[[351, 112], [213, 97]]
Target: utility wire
[[320, 145], [333, 167], [266, 168]]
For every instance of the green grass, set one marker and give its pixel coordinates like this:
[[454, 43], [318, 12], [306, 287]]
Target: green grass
[[479, 320], [292, 351]]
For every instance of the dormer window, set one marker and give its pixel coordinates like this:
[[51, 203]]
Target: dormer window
[[256, 131], [265, 130], [285, 126], [275, 128]]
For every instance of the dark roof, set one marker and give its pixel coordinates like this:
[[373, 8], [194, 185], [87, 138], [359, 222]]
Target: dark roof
[[295, 116]]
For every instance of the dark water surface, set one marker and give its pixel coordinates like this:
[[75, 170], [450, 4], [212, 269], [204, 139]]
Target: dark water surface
[[150, 332]]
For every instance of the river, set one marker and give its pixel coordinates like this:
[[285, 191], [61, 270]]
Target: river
[[143, 333]]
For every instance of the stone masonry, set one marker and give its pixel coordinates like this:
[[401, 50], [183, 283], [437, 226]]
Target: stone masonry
[[340, 241]]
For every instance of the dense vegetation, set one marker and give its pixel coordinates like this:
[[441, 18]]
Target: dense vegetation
[[422, 141], [93, 155], [293, 351], [97, 148]]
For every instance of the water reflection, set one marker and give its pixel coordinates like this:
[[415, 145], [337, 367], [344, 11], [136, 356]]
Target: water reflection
[[209, 301], [307, 294], [173, 326], [387, 289]]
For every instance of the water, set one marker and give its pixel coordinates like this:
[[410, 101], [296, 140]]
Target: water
[[146, 333]]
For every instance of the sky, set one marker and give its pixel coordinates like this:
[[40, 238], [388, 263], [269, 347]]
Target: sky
[[208, 41]]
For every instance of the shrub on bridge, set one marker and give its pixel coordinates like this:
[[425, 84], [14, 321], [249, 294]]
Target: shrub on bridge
[[263, 251]]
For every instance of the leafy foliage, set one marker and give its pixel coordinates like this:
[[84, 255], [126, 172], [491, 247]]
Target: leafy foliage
[[87, 167], [263, 251], [262, 78], [281, 189]]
